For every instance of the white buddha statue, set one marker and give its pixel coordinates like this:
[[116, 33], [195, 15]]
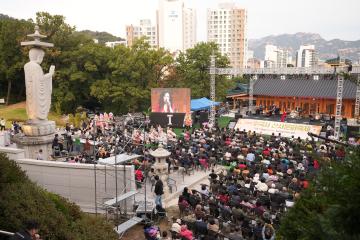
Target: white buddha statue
[[38, 86]]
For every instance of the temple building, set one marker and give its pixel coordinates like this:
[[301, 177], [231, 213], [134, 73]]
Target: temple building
[[313, 94]]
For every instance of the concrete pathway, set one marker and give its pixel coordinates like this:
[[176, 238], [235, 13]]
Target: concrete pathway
[[192, 181]]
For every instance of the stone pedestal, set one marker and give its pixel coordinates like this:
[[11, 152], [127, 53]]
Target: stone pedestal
[[36, 128], [37, 135]]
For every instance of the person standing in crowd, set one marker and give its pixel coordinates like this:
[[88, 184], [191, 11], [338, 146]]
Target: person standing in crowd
[[16, 127], [283, 116], [159, 191], [87, 146], [29, 233], [40, 155], [55, 142], [2, 124], [77, 144], [69, 143]]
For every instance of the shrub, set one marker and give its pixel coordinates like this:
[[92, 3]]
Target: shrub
[[330, 208], [22, 199]]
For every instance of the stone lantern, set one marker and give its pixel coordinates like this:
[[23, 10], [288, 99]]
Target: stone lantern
[[161, 166]]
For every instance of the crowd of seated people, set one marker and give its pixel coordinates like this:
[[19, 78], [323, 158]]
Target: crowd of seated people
[[264, 178]]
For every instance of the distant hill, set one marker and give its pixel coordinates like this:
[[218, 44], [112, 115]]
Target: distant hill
[[102, 37], [326, 49], [3, 16]]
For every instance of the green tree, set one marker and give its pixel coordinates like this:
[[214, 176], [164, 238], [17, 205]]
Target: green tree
[[134, 71], [192, 71], [71, 119], [77, 59], [330, 208], [102, 37], [79, 70], [57, 32], [241, 79], [13, 57]]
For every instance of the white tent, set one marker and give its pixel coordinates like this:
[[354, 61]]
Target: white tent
[[119, 159]]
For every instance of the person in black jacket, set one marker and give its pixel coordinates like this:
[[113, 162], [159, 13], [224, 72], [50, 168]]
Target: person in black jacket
[[159, 191], [29, 233]]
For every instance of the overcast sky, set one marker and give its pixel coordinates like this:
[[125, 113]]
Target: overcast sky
[[330, 18]]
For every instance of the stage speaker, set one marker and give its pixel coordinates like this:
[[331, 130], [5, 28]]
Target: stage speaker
[[238, 115], [204, 117]]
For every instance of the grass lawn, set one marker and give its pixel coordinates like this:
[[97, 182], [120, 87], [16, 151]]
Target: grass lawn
[[17, 112], [222, 121]]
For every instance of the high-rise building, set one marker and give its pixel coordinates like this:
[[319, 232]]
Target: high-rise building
[[189, 28], [253, 63], [249, 55], [145, 29], [226, 26], [270, 52], [276, 57], [306, 56], [177, 25], [282, 58]]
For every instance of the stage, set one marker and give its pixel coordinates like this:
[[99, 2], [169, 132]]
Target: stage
[[268, 125], [277, 118]]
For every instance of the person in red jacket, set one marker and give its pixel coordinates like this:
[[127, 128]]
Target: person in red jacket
[[186, 233], [283, 116], [316, 164], [139, 175]]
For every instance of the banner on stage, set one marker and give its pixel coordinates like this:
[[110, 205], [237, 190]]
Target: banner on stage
[[270, 127]]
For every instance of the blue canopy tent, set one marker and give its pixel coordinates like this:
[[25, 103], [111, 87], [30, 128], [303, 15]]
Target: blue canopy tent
[[202, 104]]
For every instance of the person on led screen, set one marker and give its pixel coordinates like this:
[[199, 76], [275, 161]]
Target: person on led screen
[[165, 103]]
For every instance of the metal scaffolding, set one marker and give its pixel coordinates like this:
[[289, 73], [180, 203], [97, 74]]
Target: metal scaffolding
[[212, 90], [339, 96], [251, 93], [285, 71], [357, 98]]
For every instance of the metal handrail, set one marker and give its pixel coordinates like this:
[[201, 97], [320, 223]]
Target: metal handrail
[[125, 188], [6, 233]]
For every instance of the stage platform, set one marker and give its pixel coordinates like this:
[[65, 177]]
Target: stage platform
[[277, 118]]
